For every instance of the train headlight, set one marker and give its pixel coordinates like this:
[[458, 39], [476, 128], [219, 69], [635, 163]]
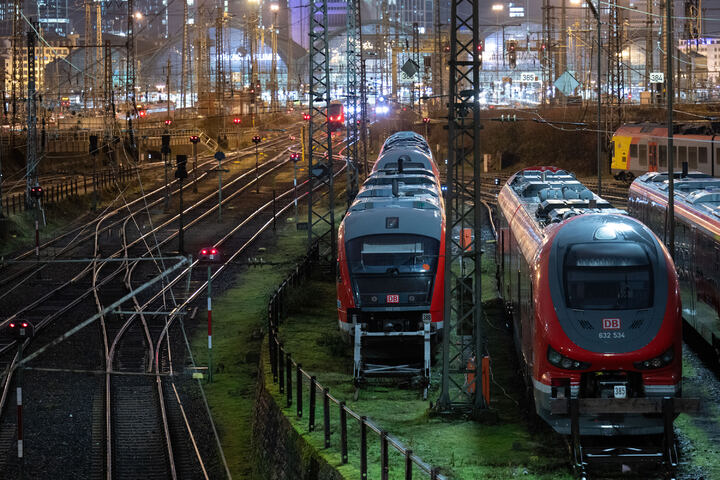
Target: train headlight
[[561, 361], [658, 362]]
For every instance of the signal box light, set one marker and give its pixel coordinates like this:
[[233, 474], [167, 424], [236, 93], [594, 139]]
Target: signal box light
[[209, 254]]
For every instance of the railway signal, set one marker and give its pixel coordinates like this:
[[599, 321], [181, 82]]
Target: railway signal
[[295, 157], [181, 174], [168, 122], [165, 150], [256, 140], [512, 53], [237, 121], [426, 121], [21, 330], [209, 255], [194, 139], [306, 116]]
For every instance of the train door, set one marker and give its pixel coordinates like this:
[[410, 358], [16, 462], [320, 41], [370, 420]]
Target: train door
[[652, 157]]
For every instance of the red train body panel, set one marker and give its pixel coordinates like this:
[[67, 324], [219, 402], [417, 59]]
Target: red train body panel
[[594, 299]]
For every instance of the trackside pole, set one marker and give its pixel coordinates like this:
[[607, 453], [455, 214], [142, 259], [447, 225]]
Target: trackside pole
[[209, 309], [20, 452]]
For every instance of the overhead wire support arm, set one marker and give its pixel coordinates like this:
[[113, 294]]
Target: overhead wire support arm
[[463, 301]]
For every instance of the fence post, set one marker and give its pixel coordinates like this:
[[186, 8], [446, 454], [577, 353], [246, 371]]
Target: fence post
[[298, 386], [363, 448], [408, 464], [343, 433], [281, 368], [311, 416], [384, 468], [288, 378], [326, 415]]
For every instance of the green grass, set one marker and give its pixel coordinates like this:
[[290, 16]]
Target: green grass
[[463, 449], [238, 322]]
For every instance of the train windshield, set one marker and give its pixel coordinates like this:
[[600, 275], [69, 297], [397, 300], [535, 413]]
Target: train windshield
[[392, 254], [608, 276]]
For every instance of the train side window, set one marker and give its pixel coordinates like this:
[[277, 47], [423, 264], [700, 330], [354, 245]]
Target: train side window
[[702, 155], [643, 155], [663, 156], [692, 158], [681, 156], [633, 151]]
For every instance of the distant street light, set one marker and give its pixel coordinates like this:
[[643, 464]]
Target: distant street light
[[498, 7]]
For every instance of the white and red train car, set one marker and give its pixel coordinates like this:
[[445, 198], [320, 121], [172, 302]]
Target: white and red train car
[[697, 248], [594, 301], [391, 244]]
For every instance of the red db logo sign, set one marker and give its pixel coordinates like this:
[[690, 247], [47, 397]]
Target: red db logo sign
[[392, 299], [611, 323]]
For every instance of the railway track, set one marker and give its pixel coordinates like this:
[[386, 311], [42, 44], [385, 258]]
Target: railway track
[[123, 357], [67, 299]]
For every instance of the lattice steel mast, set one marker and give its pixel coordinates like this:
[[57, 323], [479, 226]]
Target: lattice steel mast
[[463, 302], [354, 52], [321, 201], [130, 77], [31, 162]]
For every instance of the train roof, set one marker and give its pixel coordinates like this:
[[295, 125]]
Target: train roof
[[701, 127], [697, 192], [412, 216], [403, 190], [553, 195], [402, 179], [405, 140], [412, 159]]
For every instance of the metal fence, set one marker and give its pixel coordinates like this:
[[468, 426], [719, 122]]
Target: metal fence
[[57, 192], [284, 368]]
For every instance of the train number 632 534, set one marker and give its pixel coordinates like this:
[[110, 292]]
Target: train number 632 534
[[606, 335]]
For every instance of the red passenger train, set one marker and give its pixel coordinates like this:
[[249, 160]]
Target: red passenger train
[[697, 244], [391, 244], [594, 300]]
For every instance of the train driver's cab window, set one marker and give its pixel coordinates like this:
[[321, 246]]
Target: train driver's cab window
[[608, 276], [397, 254]]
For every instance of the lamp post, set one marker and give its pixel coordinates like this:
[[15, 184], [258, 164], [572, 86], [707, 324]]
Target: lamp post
[[209, 255], [497, 8], [596, 12], [256, 140]]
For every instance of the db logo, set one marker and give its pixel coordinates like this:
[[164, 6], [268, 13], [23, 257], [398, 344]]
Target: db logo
[[396, 299], [611, 323]]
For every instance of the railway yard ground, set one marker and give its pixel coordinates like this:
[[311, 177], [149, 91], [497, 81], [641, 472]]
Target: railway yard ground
[[513, 445], [509, 443]]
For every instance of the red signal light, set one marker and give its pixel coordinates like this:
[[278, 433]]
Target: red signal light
[[213, 251], [24, 325], [236, 121], [168, 122], [142, 113], [203, 251], [11, 325]]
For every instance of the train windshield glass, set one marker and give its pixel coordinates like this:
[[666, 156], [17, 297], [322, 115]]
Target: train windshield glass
[[608, 276], [393, 254]]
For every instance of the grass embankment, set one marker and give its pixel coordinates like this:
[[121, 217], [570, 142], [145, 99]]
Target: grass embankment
[[464, 449], [239, 318]]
